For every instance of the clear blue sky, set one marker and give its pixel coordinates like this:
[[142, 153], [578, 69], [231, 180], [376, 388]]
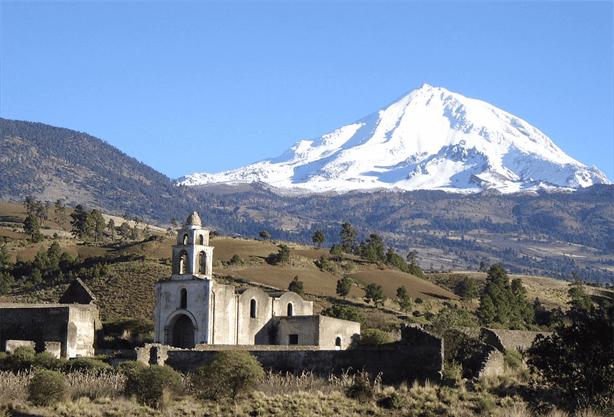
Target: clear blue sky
[[211, 86]]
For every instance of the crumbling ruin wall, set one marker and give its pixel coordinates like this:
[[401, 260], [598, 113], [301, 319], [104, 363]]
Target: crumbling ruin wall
[[491, 362], [510, 339]]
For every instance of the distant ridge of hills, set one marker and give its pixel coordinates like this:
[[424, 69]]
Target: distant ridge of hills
[[51, 163], [542, 233]]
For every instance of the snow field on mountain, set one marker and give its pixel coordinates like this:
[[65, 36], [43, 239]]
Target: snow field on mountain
[[429, 139]]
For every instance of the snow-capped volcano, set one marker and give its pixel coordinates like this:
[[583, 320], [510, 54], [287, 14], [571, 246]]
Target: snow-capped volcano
[[429, 139]]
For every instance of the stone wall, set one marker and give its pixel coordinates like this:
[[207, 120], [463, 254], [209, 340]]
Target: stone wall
[[12, 345], [73, 326], [490, 362], [510, 339], [396, 362]]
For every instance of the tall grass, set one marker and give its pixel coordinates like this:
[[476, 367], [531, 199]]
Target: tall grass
[[96, 384], [100, 393]]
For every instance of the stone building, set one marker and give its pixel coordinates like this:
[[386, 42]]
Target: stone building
[[192, 308], [67, 329]]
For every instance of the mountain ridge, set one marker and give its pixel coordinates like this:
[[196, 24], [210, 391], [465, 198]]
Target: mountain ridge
[[431, 138]]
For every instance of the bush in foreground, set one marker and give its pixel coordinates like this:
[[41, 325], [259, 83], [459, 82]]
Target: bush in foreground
[[229, 373], [152, 385], [47, 387], [576, 360]]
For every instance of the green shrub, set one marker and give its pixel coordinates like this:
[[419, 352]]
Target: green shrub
[[512, 359], [131, 370], [24, 354], [393, 401], [153, 385], [89, 364], [346, 312], [361, 389], [374, 337], [236, 260], [23, 357], [126, 333], [229, 373], [453, 370], [45, 360], [47, 387], [486, 402]]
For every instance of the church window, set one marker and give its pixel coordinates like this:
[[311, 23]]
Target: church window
[[338, 343], [252, 308], [185, 240], [183, 263], [184, 298], [202, 258], [290, 309], [293, 339], [201, 240]]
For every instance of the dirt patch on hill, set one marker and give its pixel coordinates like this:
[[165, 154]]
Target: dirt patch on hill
[[315, 281], [391, 279], [226, 248]]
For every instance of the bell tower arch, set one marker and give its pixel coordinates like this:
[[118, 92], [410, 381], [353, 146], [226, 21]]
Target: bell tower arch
[[192, 254]]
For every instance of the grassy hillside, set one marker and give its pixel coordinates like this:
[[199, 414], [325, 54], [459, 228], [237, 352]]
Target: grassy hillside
[[126, 288]]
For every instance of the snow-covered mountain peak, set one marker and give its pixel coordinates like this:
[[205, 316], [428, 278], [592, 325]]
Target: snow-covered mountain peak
[[430, 138]]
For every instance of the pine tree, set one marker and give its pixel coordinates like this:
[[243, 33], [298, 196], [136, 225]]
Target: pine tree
[[348, 238], [284, 253], [5, 258], [296, 286], [375, 293], [344, 286], [78, 222], [53, 254], [404, 299], [324, 265], [486, 312], [31, 226], [318, 238], [579, 298], [337, 252], [504, 303]]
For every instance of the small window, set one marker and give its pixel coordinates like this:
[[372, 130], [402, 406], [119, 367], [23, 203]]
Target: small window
[[293, 339], [252, 308], [290, 310], [184, 298], [201, 239], [185, 240], [201, 263], [183, 263], [338, 343]]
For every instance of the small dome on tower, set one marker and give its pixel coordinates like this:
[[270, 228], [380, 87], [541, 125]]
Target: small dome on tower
[[194, 220]]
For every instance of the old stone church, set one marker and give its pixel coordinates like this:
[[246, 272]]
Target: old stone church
[[192, 308]]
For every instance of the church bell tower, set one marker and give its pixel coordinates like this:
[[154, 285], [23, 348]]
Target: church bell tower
[[192, 255], [182, 316]]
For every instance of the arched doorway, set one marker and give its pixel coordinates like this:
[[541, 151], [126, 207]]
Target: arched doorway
[[183, 332]]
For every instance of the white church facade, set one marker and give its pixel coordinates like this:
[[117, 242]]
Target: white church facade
[[193, 309]]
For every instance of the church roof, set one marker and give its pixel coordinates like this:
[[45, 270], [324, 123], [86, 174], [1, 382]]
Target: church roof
[[194, 220]]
